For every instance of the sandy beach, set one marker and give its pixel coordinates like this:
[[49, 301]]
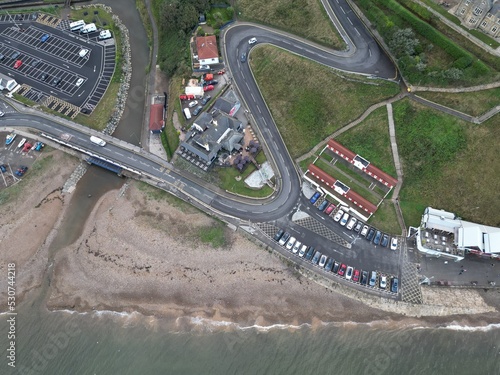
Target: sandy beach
[[142, 251]]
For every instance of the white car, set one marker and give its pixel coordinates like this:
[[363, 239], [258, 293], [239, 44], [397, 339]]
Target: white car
[[338, 215], [383, 282], [348, 274], [2, 114], [364, 231], [21, 143], [290, 243], [344, 219], [322, 261], [193, 103], [302, 251], [296, 247], [394, 243], [104, 34], [351, 223], [79, 82], [252, 41]]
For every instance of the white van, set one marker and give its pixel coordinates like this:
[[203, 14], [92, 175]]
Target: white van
[[83, 52], [91, 27], [187, 113], [104, 34], [77, 25], [97, 141]]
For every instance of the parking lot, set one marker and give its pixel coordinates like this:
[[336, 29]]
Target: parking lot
[[62, 70]]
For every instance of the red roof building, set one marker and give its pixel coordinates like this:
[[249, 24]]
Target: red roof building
[[351, 195], [206, 47], [156, 119]]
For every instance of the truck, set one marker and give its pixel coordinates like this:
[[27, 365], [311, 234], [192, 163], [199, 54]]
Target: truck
[[77, 25], [91, 27], [97, 141]]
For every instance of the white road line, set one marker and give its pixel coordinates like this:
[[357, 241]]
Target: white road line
[[258, 108], [350, 21], [342, 9], [357, 31], [369, 51], [252, 96]]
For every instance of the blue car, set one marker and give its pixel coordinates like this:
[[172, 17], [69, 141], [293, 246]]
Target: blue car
[[39, 146], [323, 205], [376, 240], [315, 197], [44, 38], [395, 285]]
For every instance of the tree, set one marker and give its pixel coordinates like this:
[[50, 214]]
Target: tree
[[403, 42]]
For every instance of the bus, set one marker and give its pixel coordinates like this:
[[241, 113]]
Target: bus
[[77, 25]]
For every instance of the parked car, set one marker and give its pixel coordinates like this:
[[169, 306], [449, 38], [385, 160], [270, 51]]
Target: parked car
[[344, 219], [2, 114], [56, 81], [3, 168], [284, 239], [342, 269], [373, 278], [193, 103], [39, 146], [44, 77], [310, 253], [21, 171], [44, 38], [316, 257], [79, 82], [302, 251], [358, 226], [197, 110], [364, 278], [278, 235], [338, 215], [385, 240], [355, 276], [383, 282], [205, 67], [296, 247], [364, 231], [208, 88], [27, 147], [323, 205], [322, 261], [290, 243], [14, 55], [243, 57], [329, 264], [351, 223], [252, 40], [18, 64], [35, 63], [315, 197], [211, 82], [394, 243], [206, 99], [394, 285], [330, 209], [377, 238], [348, 274], [336, 266], [370, 234], [2, 56]]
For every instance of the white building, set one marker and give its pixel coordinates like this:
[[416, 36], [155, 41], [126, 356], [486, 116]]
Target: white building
[[7, 82]]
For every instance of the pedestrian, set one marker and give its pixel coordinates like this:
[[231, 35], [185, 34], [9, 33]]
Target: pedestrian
[[462, 266]]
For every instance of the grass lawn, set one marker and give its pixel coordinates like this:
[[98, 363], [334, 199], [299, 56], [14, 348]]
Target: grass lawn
[[153, 193], [385, 219], [214, 235], [370, 139], [304, 164], [305, 18], [227, 181], [104, 110], [448, 164], [308, 112], [472, 103]]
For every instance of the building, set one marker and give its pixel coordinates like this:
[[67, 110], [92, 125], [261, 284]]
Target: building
[[156, 118], [443, 233], [7, 82], [209, 135], [227, 106], [483, 15], [208, 53]]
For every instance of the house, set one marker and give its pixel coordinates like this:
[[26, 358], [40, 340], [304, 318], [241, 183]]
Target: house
[[207, 50], [7, 82], [483, 15], [209, 135], [229, 104], [156, 118]]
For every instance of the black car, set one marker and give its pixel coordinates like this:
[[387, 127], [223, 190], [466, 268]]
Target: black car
[[206, 99], [336, 266], [212, 82], [243, 57], [56, 81], [197, 110], [316, 257], [310, 253], [15, 55], [370, 234], [385, 240], [2, 56], [377, 238], [278, 235], [329, 264], [44, 77], [3, 168], [35, 63], [364, 278]]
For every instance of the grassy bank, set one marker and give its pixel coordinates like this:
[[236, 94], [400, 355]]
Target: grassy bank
[[309, 108], [385, 219], [305, 18]]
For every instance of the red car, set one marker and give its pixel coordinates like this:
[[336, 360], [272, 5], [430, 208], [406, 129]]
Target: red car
[[17, 64], [221, 72], [208, 88], [355, 276], [342, 269], [330, 209], [186, 97], [27, 147]]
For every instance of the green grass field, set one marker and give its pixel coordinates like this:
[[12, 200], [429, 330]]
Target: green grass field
[[305, 18], [472, 103], [308, 112], [385, 219]]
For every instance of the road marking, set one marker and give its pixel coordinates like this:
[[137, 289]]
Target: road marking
[[81, 93], [370, 51], [94, 68], [342, 9], [350, 21], [258, 108]]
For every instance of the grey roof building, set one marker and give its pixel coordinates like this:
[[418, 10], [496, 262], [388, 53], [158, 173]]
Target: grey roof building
[[228, 104], [480, 14]]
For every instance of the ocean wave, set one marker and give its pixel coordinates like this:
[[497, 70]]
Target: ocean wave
[[458, 327], [224, 324]]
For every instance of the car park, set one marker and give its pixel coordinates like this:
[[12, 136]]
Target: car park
[[383, 282], [394, 243], [18, 64], [385, 240], [252, 40], [370, 234], [329, 264], [344, 219], [338, 215], [394, 285], [330, 209], [316, 257], [342, 269], [373, 278], [322, 261], [206, 99], [243, 57], [377, 238], [351, 223], [296, 247], [323, 205], [364, 231], [284, 239], [355, 276], [348, 274], [197, 110], [336, 266], [310, 253], [315, 197], [358, 226], [14, 55], [44, 38], [364, 278], [302, 251], [278, 235], [193, 103], [290, 243]]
